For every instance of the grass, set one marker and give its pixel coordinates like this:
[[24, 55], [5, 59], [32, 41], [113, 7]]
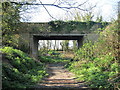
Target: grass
[[55, 57], [19, 70]]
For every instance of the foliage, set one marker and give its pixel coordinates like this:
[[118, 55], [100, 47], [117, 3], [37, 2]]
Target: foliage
[[98, 63], [19, 70], [56, 25], [53, 57], [99, 19], [65, 45], [86, 17], [67, 27], [75, 47], [10, 23], [49, 59]]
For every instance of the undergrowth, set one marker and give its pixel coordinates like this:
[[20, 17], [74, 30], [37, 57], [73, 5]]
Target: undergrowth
[[19, 70], [98, 63], [53, 56], [53, 59]]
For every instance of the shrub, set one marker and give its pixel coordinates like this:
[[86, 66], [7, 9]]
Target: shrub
[[98, 62], [20, 71]]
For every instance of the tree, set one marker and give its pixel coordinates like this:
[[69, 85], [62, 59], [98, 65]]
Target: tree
[[10, 22], [65, 44], [65, 5], [55, 44], [83, 16], [75, 47], [99, 19]]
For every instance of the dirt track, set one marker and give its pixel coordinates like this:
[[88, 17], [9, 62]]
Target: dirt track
[[60, 77]]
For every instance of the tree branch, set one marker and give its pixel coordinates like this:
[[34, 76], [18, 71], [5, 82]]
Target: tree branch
[[47, 10], [62, 4], [58, 6]]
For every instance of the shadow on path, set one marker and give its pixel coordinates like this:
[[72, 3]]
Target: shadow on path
[[60, 78]]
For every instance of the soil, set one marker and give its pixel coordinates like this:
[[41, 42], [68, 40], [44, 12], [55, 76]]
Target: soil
[[59, 76]]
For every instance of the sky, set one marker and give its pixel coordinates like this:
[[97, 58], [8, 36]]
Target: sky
[[43, 43], [106, 8]]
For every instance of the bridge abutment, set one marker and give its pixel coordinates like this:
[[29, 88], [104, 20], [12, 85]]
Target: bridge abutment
[[80, 42], [34, 47]]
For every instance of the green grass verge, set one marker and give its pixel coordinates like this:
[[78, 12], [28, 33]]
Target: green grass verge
[[19, 70], [53, 59]]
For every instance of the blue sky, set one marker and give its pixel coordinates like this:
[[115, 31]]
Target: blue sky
[[106, 8]]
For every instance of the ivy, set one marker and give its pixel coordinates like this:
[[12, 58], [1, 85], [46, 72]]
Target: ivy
[[67, 27]]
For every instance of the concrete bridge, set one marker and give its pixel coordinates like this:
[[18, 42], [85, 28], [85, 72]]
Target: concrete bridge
[[36, 37], [31, 33]]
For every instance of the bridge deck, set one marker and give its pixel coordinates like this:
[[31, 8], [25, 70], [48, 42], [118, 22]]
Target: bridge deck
[[58, 36]]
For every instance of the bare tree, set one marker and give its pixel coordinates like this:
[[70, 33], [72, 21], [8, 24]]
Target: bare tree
[[65, 5]]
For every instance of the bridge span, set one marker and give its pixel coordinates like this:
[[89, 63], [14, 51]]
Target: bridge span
[[36, 37]]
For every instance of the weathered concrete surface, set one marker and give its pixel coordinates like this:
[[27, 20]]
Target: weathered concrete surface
[[36, 37], [30, 33]]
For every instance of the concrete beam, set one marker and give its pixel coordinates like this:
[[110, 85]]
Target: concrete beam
[[59, 36], [49, 34]]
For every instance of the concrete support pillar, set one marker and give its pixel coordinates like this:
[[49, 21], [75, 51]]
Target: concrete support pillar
[[80, 42], [34, 47]]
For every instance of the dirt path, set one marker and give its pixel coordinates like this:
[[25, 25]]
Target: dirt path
[[60, 77]]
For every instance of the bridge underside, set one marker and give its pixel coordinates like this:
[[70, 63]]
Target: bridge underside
[[35, 38], [58, 37]]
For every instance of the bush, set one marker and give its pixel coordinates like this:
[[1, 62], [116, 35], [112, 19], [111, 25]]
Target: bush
[[98, 63], [20, 71]]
